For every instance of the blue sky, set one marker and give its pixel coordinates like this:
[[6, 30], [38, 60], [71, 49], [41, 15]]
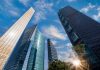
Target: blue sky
[[47, 18]]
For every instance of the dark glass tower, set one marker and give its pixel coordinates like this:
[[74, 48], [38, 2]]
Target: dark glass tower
[[52, 52], [82, 29]]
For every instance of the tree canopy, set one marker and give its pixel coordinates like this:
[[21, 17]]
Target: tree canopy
[[58, 65]]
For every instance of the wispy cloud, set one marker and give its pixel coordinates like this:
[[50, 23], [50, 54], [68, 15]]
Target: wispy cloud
[[97, 16], [54, 42], [88, 8], [54, 32], [69, 44], [38, 16], [60, 43], [41, 8], [63, 56], [24, 2], [71, 0], [9, 8], [98, 9], [14, 13], [66, 56], [9, 12]]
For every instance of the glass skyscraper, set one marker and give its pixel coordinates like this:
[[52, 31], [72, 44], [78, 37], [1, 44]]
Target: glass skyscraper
[[39, 62], [52, 52], [81, 29], [36, 52], [17, 58], [23, 47], [9, 42]]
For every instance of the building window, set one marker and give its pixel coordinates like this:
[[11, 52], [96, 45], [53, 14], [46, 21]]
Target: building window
[[69, 28], [62, 18], [74, 37], [65, 23]]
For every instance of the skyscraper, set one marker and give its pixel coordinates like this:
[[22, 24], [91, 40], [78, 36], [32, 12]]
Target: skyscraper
[[36, 53], [17, 57], [81, 29], [41, 43], [10, 39], [52, 52]]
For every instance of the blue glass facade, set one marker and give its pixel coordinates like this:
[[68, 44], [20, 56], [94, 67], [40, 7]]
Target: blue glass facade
[[9, 43], [35, 58], [39, 63], [17, 58]]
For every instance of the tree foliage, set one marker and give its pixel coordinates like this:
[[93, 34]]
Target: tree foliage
[[80, 50], [58, 65]]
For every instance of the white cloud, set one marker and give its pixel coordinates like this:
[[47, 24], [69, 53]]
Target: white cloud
[[66, 56], [14, 13], [39, 15], [98, 9], [63, 56], [59, 47], [88, 8], [54, 32], [54, 42], [71, 0], [24, 2], [9, 8], [8, 2], [69, 45], [97, 16], [41, 8]]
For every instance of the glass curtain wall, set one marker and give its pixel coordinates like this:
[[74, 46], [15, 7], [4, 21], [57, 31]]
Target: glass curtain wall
[[9, 40]]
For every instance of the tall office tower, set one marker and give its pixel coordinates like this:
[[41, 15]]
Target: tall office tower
[[52, 52], [17, 57], [10, 39], [36, 53], [81, 29]]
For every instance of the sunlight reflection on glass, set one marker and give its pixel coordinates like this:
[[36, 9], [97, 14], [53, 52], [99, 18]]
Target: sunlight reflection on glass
[[12, 34]]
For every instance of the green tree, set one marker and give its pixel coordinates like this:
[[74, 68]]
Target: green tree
[[80, 50], [58, 65]]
